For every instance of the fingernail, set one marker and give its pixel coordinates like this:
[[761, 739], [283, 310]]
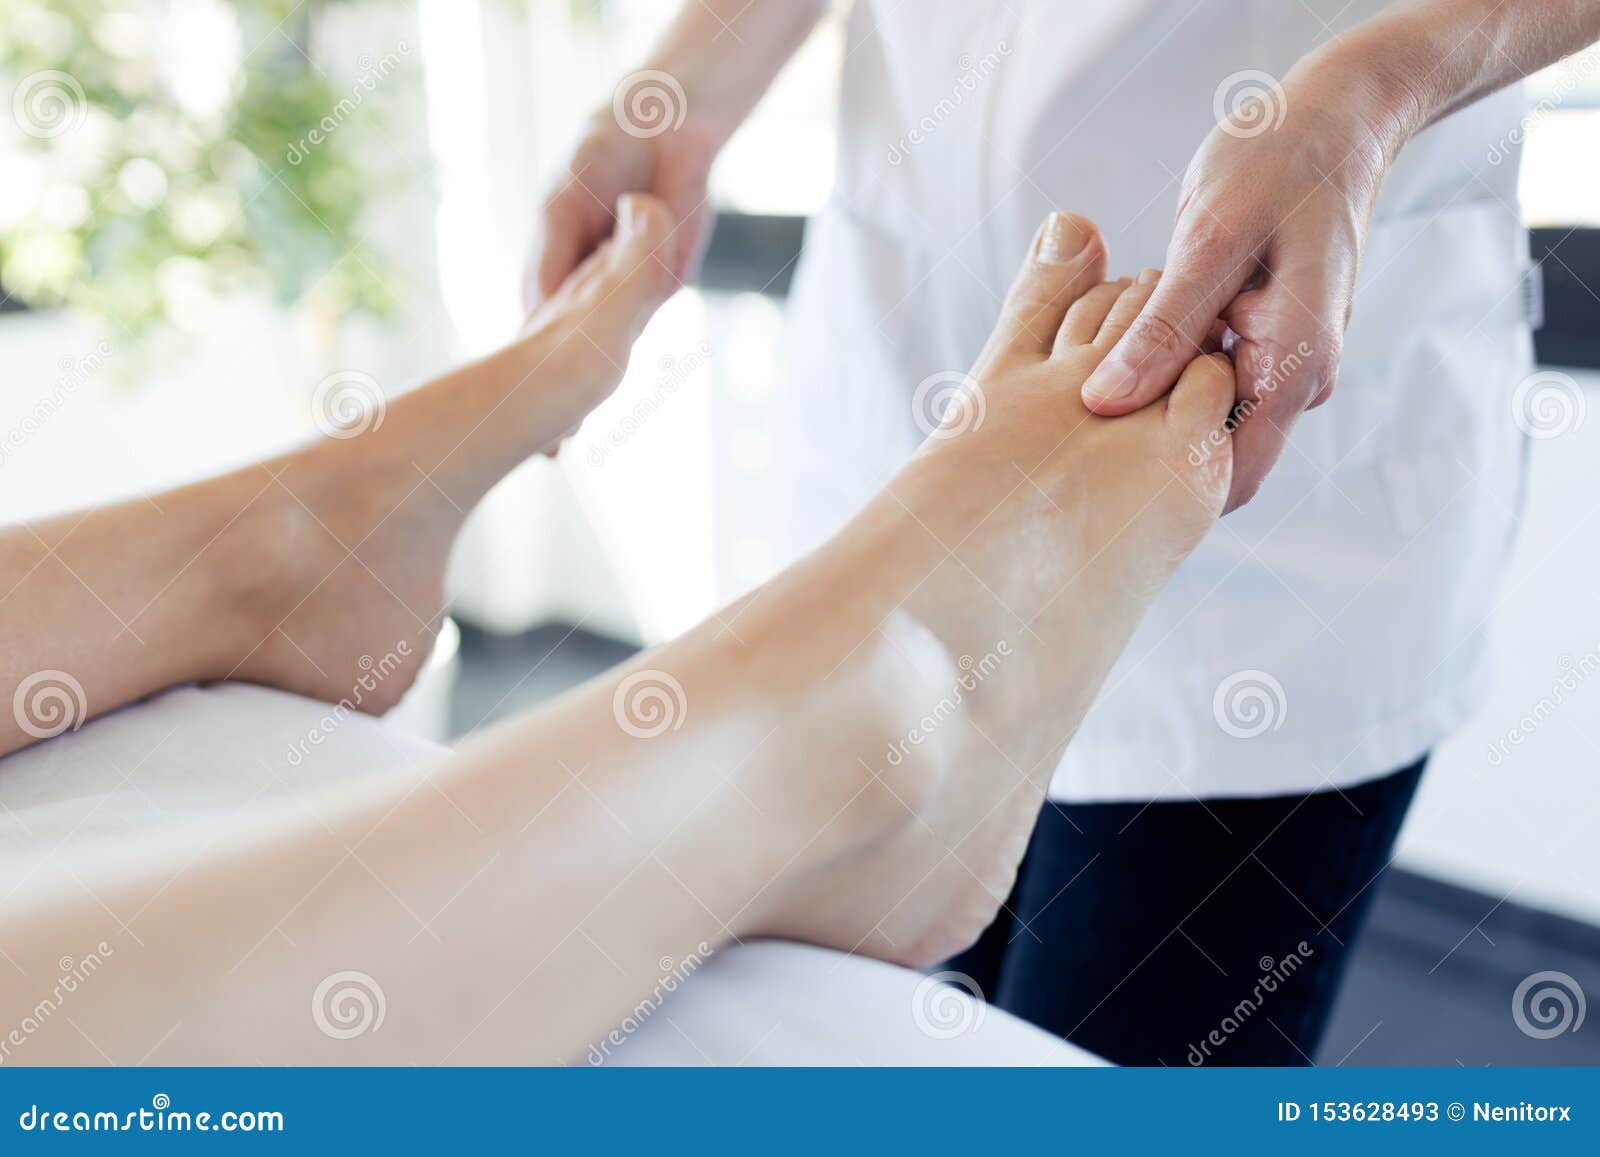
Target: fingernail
[[627, 214], [1114, 379], [1061, 239], [1149, 276]]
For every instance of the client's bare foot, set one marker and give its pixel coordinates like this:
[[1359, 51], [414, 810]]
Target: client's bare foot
[[340, 552], [1030, 535]]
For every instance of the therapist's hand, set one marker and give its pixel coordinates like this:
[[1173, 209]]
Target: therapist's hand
[[669, 163], [662, 129], [1271, 221]]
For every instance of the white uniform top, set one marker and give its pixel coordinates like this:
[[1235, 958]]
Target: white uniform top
[[1331, 631]]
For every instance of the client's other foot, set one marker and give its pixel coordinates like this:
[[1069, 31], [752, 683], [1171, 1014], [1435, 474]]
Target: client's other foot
[[1029, 536], [341, 547]]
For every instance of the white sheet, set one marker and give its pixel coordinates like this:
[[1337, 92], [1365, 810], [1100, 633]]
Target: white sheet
[[775, 1003], [197, 756]]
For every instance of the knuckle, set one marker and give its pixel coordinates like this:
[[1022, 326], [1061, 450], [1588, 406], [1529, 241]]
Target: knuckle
[[1322, 371], [1245, 489], [1274, 359], [1302, 366], [1208, 245], [1155, 332], [1324, 377]]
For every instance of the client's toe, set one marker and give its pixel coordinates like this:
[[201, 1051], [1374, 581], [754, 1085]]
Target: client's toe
[[637, 276], [1087, 314], [1197, 416], [617, 288], [1203, 396], [1125, 310], [1067, 259]]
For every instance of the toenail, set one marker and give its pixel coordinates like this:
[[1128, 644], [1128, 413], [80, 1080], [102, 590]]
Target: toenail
[[629, 215], [1114, 379], [1061, 239]]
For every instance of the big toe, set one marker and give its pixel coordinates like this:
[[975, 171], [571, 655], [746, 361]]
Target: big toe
[[1197, 416], [1067, 259], [637, 264]]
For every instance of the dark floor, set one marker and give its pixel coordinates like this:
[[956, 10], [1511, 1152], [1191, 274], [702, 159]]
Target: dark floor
[[500, 676], [1433, 979], [1431, 982]]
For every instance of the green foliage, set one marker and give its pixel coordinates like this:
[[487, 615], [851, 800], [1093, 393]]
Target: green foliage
[[153, 163]]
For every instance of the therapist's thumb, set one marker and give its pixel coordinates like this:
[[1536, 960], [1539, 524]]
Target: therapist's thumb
[[1169, 333]]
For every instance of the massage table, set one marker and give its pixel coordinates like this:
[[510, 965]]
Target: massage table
[[208, 755]]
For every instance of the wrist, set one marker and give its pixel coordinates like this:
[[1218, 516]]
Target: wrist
[[1377, 76], [712, 101], [645, 108]]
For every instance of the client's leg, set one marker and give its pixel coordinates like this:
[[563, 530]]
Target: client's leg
[[289, 572], [859, 766], [1033, 543]]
